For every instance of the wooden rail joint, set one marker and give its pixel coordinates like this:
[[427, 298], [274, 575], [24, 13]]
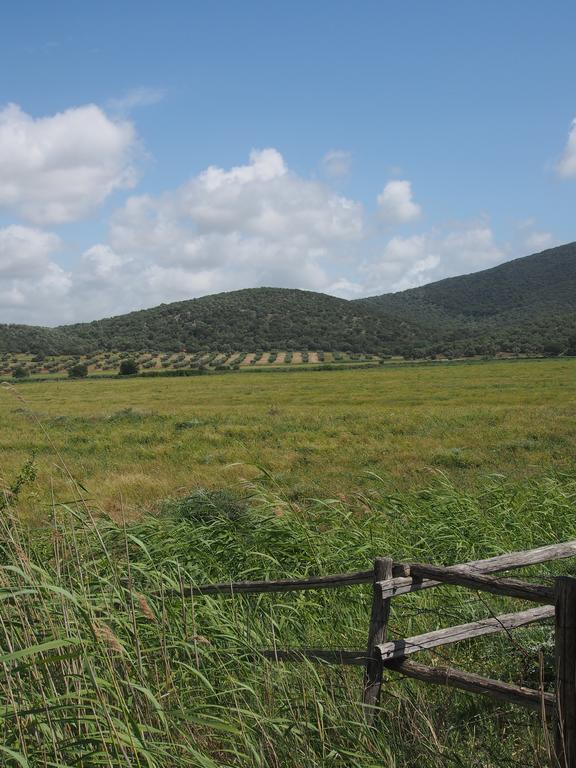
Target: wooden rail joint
[[464, 576]]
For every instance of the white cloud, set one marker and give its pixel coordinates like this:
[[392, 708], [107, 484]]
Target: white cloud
[[256, 224], [567, 165], [346, 289], [395, 203], [265, 199], [142, 96], [100, 264], [60, 168], [29, 279], [337, 163], [539, 241], [529, 239], [24, 251], [407, 262], [250, 225]]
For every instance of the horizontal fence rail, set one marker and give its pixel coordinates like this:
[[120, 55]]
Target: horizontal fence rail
[[347, 658], [465, 577], [398, 649], [405, 583], [402, 581], [280, 585], [468, 681]]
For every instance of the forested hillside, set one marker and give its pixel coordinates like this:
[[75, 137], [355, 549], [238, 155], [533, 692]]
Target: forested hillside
[[251, 319], [525, 306]]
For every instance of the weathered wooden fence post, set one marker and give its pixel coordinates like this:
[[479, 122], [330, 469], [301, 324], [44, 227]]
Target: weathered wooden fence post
[[376, 634], [566, 671]]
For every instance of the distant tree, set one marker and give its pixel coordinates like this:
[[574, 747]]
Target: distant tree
[[78, 371], [20, 372], [128, 368]]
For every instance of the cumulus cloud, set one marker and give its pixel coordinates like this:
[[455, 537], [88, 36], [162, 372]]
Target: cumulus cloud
[[395, 203], [59, 169], [24, 251], [407, 262], [567, 165], [255, 224], [346, 289], [29, 278], [337, 163], [249, 225]]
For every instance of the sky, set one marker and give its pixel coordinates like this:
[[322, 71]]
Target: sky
[[152, 152]]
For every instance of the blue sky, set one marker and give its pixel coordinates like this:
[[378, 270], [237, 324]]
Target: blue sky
[[392, 144]]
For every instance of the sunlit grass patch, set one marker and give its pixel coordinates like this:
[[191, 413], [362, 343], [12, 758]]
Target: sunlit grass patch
[[319, 432]]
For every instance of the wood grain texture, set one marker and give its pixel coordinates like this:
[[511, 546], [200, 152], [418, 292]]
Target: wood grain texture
[[566, 671], [466, 577], [376, 635], [402, 584], [397, 649], [349, 658], [279, 585], [468, 681]]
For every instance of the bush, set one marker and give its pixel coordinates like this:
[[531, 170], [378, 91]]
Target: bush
[[205, 506], [79, 371], [20, 372], [128, 368]]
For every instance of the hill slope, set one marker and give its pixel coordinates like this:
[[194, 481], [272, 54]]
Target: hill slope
[[527, 306], [251, 319]]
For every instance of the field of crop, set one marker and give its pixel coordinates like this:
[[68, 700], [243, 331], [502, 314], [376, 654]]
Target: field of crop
[[108, 363], [269, 475]]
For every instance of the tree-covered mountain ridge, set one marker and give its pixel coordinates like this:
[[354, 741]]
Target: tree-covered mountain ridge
[[524, 306]]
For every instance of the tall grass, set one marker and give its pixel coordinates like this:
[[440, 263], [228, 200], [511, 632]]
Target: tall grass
[[97, 673]]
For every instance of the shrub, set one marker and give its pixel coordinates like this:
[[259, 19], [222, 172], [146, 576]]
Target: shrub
[[128, 368], [204, 506], [78, 371]]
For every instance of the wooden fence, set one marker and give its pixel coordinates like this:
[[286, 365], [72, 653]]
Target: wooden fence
[[390, 579]]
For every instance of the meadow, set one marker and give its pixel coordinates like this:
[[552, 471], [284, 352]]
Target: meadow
[[248, 475], [132, 443]]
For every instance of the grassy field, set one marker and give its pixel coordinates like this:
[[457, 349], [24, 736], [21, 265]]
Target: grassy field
[[133, 442], [437, 464]]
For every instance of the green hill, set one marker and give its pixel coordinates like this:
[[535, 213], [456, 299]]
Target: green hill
[[251, 319], [525, 306]]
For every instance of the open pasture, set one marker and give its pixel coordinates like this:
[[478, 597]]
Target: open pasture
[[133, 442]]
